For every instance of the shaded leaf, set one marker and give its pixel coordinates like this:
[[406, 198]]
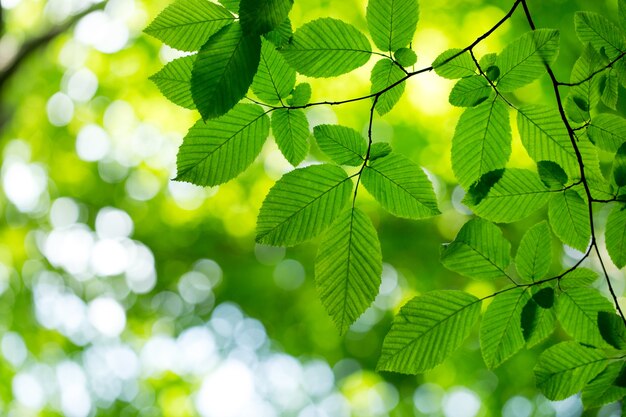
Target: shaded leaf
[[552, 175], [384, 74], [392, 23], [615, 235], [603, 388], [585, 96], [470, 91], [261, 16], [274, 78], [569, 218], [281, 35], [600, 32], [342, 144], [577, 310], [405, 57], [610, 92], [379, 150], [608, 131], [537, 323], [619, 166], [291, 131], [534, 254], [612, 329], [174, 81]]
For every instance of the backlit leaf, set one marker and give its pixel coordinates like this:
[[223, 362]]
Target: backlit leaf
[[569, 218], [291, 131], [384, 74], [534, 254], [460, 66], [616, 235], [274, 79], [174, 81], [577, 310], [342, 144], [392, 23], [261, 16]]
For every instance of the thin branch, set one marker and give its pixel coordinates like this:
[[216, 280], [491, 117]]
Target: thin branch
[[593, 74]]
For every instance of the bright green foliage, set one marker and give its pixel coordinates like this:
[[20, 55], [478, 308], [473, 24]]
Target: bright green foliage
[[470, 91], [600, 32], [224, 70], [327, 47], [392, 23], [188, 24], [537, 322], [481, 142], [524, 60], [405, 57], [487, 61], [261, 16], [564, 369], [616, 235], [608, 131], [552, 175], [174, 81], [232, 5], [516, 195], [612, 329], [302, 204], [500, 330], [218, 150], [619, 166], [301, 95], [427, 329], [621, 10], [603, 389], [577, 310], [580, 277], [610, 93], [281, 35], [401, 187], [348, 267], [460, 66], [291, 131], [534, 254], [274, 79], [342, 144], [478, 251], [384, 74], [569, 219], [585, 96], [379, 150]]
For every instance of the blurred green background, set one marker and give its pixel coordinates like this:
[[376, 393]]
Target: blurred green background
[[123, 293]]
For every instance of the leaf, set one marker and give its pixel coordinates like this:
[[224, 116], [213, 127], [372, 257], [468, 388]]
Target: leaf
[[488, 61], [607, 131], [301, 95], [544, 297], [291, 131], [619, 166], [517, 195], [481, 142], [218, 150], [612, 329], [460, 66], [601, 33], [232, 5], [188, 24], [174, 81], [534, 254], [348, 267], [565, 368], [405, 57], [552, 175], [603, 388], [478, 251], [281, 35], [342, 144], [302, 204], [327, 47], [621, 10], [392, 23], [524, 60], [580, 277], [585, 96], [427, 329], [577, 310], [274, 79], [537, 323], [224, 70], [261, 16], [470, 91], [480, 189], [384, 74], [569, 218], [610, 93], [379, 150], [615, 235], [401, 187], [500, 331]]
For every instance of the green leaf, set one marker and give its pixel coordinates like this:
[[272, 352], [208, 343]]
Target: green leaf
[[401, 187], [291, 131], [274, 79], [281, 35], [481, 142], [524, 60], [488, 60], [379, 150], [452, 68], [480, 189], [615, 235], [544, 297], [612, 329], [342, 144], [174, 81], [619, 166], [608, 131], [579, 277], [392, 23], [348, 267], [218, 150], [621, 10], [610, 93], [585, 96], [188, 24], [224, 70], [564, 369], [384, 74], [302, 204], [601, 33], [232, 5], [552, 175], [537, 323], [577, 310], [427, 329], [500, 331], [492, 73], [534, 254], [261, 16], [603, 388], [327, 47], [405, 57], [470, 91], [569, 218], [301, 95], [518, 194], [478, 251]]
